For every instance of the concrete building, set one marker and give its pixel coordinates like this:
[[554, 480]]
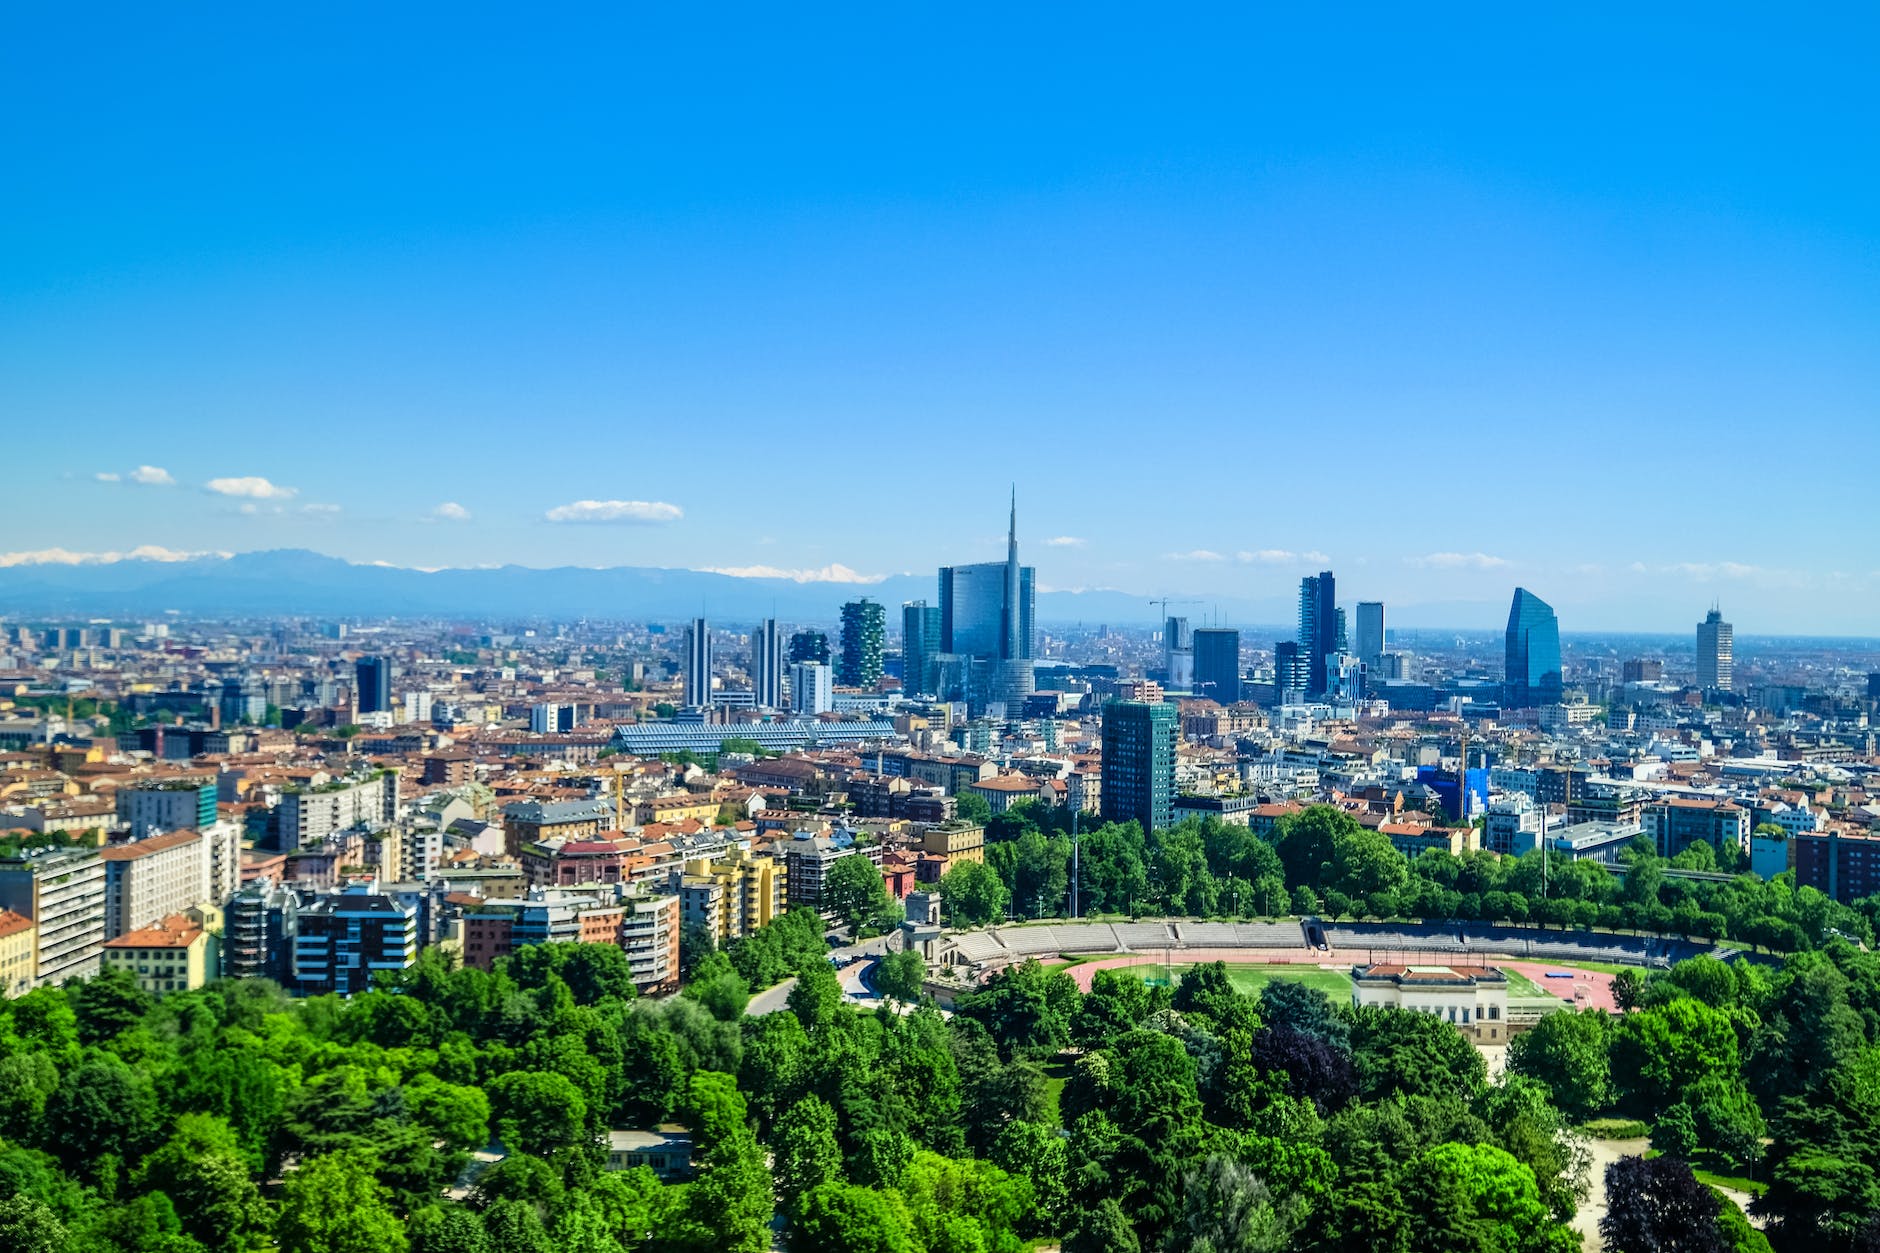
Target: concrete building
[[62, 891], [732, 895], [258, 932], [1472, 998], [154, 878], [169, 805], [1512, 825], [808, 859], [1843, 863], [696, 677], [812, 688], [19, 952], [1674, 823], [1716, 652], [309, 816], [174, 954], [767, 665]]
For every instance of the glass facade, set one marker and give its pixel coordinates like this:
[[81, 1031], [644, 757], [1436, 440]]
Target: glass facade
[[1217, 664], [1139, 764], [1532, 678], [972, 610], [1319, 627]]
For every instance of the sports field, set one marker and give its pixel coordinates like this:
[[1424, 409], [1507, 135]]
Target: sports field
[[1250, 978]]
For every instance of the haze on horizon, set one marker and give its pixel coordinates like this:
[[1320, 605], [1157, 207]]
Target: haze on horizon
[[1516, 299]]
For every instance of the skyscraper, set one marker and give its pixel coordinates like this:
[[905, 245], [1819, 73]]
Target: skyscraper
[[1217, 664], [698, 665], [920, 644], [1290, 672], [1178, 655], [1139, 764], [767, 665], [864, 631], [1318, 627], [986, 616], [373, 685], [1370, 632], [811, 689], [1715, 652], [1533, 653], [807, 645]]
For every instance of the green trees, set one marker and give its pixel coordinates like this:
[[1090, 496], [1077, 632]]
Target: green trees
[[202, 1173], [1475, 1196], [973, 894], [1657, 1053], [853, 889], [333, 1204], [537, 1112], [1568, 1053], [843, 1218], [900, 975], [1658, 1207]]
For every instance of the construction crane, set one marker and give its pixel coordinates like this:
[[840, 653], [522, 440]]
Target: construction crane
[[1166, 601]]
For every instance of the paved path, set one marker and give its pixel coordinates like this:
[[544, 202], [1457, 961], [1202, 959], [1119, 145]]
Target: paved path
[[1605, 1153], [1588, 989]]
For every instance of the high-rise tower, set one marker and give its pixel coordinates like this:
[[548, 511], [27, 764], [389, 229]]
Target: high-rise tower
[[986, 615], [1532, 678], [697, 676], [1318, 627], [767, 665], [1370, 639], [1716, 648], [864, 630]]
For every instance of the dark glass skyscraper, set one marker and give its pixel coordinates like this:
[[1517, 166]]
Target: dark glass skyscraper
[[864, 630], [1217, 663], [920, 644], [373, 684], [1532, 678], [809, 645], [1139, 764], [1318, 627]]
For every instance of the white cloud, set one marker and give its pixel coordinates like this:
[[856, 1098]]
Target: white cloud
[[105, 476], [65, 557], [628, 511], [1065, 541], [1281, 557], [253, 487], [152, 476], [833, 573], [451, 511], [1197, 554], [1459, 561], [322, 509]]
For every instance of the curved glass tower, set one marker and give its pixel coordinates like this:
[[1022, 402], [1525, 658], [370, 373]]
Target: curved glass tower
[[1533, 655]]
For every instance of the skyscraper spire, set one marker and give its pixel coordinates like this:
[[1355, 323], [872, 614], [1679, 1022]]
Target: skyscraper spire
[[1011, 646]]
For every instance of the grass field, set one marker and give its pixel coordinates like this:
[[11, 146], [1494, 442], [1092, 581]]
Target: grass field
[[1251, 978], [1520, 985]]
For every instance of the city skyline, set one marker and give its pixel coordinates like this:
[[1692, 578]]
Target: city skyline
[[1320, 262]]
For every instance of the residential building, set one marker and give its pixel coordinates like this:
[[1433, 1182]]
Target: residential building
[[1002, 791], [62, 891], [1532, 676], [373, 685], [1318, 628], [1842, 862], [173, 954], [258, 932], [1512, 825], [154, 878], [864, 634], [1474, 999], [1674, 823], [1370, 642], [1715, 652], [732, 895], [697, 675], [809, 645], [537, 822], [1412, 840], [1139, 763], [812, 688], [1292, 673], [1217, 664], [167, 805], [344, 939], [808, 859], [19, 953], [767, 665], [308, 816], [920, 646]]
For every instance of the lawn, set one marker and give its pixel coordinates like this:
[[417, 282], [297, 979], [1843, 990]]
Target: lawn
[[1252, 977], [1520, 985]]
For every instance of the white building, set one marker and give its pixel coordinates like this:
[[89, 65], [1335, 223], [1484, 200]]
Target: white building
[[1512, 825], [1473, 998], [812, 688], [150, 879], [309, 816]]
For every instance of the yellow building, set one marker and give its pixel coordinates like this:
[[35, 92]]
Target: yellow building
[[19, 950], [174, 955], [958, 840], [733, 895], [675, 809]]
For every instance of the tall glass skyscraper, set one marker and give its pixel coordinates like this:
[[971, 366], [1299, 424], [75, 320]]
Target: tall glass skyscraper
[[1532, 678], [696, 679], [1318, 627], [1370, 631], [372, 684], [1217, 664], [986, 618], [1139, 764], [920, 644], [767, 665]]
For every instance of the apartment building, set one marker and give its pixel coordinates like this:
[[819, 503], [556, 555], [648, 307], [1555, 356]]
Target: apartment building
[[62, 891], [167, 805], [343, 940], [19, 950], [1675, 823], [310, 815], [175, 954], [732, 895], [153, 878]]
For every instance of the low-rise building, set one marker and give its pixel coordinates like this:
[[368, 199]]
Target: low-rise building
[[19, 950], [175, 954], [1472, 998], [667, 1152]]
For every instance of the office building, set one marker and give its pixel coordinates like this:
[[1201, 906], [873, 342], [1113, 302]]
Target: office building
[[373, 685], [809, 646], [1532, 656], [1139, 763], [1370, 633], [62, 892], [697, 675], [987, 616], [1644, 669], [1318, 627], [151, 879], [920, 648], [767, 665], [1292, 673], [812, 688], [1217, 664], [171, 805], [344, 940], [1715, 652], [864, 633], [1178, 655], [243, 700]]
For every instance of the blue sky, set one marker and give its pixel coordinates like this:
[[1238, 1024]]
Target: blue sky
[[1447, 299]]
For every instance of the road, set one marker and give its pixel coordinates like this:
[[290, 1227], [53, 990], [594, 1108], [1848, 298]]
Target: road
[[856, 961]]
